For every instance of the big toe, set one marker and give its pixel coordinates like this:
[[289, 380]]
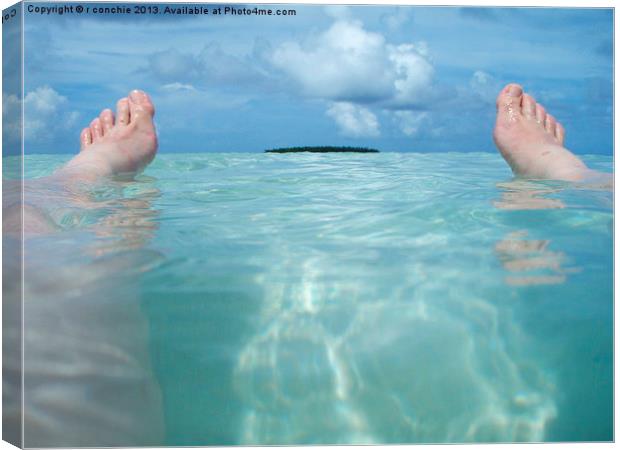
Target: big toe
[[140, 106], [509, 100]]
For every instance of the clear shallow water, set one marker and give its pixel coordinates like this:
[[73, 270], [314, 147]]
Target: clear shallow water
[[254, 298]]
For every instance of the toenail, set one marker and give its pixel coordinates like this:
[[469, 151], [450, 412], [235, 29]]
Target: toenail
[[136, 95], [515, 90]]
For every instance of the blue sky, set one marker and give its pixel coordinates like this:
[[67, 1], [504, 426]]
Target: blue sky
[[393, 78]]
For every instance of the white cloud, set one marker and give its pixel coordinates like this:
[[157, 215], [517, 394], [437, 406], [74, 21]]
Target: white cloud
[[348, 63], [176, 87], [415, 73], [354, 120], [344, 63], [410, 122], [45, 114]]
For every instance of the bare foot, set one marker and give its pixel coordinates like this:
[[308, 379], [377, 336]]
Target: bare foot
[[119, 145], [532, 141], [124, 144]]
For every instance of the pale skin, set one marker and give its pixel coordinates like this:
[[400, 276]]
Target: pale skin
[[532, 143], [120, 144], [114, 145], [530, 140], [82, 343], [124, 143]]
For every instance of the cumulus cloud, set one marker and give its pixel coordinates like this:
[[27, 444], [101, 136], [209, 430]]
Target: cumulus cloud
[[411, 122], [354, 120], [45, 114], [347, 63], [414, 74], [350, 68]]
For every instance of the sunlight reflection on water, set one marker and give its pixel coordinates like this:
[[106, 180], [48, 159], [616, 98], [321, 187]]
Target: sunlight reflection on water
[[291, 299]]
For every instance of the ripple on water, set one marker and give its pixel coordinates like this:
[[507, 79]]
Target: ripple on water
[[382, 298]]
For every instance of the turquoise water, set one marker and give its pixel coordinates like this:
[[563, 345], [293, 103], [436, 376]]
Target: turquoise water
[[309, 298]]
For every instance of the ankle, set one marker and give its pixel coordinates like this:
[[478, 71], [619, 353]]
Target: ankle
[[87, 164]]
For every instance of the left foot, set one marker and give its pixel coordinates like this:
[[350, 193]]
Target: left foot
[[111, 145]]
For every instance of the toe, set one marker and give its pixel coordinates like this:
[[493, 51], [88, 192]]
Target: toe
[[528, 106], [107, 120], [86, 138], [540, 113], [96, 130], [559, 132], [140, 106], [509, 101], [550, 124], [122, 112]]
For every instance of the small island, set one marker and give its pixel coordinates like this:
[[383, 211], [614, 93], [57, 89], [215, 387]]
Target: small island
[[327, 149]]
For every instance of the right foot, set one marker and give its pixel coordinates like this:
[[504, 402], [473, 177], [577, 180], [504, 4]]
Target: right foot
[[124, 144], [532, 141]]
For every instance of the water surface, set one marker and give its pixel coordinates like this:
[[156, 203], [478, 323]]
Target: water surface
[[324, 298]]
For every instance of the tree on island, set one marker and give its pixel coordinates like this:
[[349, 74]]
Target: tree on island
[[323, 149]]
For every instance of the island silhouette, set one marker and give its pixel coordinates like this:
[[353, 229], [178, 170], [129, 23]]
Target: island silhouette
[[323, 149]]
